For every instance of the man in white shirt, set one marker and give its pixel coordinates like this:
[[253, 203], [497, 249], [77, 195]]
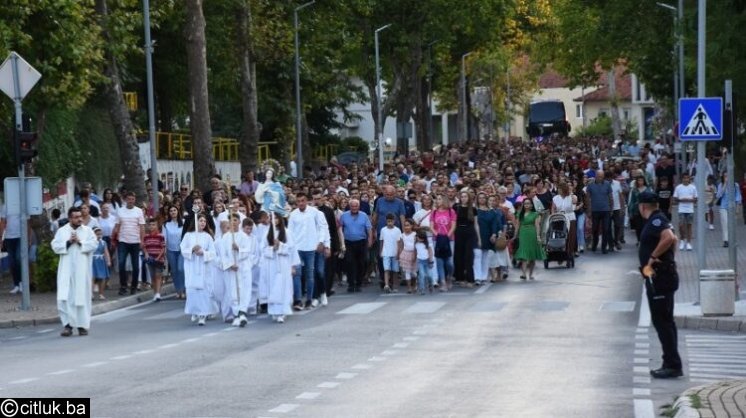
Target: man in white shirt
[[129, 233], [617, 212], [685, 195], [311, 235]]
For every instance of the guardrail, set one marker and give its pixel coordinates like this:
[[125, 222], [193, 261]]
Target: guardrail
[[131, 99]]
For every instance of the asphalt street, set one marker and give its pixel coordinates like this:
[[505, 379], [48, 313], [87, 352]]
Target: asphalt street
[[564, 345]]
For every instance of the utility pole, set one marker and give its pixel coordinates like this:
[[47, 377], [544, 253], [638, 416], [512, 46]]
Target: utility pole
[[701, 155], [730, 129], [379, 134], [151, 105]]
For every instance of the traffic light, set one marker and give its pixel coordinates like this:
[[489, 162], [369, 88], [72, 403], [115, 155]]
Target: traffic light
[[27, 145]]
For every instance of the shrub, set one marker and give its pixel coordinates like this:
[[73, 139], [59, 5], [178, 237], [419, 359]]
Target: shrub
[[46, 268]]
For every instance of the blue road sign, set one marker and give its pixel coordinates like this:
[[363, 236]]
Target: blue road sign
[[701, 119]]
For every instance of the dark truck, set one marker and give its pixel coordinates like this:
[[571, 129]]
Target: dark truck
[[546, 118]]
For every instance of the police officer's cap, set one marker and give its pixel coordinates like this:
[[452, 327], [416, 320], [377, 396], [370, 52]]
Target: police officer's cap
[[647, 197]]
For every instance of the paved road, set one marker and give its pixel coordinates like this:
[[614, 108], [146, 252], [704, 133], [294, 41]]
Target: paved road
[[562, 346]]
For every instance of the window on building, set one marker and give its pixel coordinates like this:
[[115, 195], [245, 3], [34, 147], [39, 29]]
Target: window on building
[[603, 112], [626, 112], [579, 111]]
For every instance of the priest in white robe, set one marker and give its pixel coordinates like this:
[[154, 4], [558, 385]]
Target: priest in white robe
[[198, 250], [75, 244], [236, 262]]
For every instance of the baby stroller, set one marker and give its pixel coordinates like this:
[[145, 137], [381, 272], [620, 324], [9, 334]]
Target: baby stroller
[[556, 241]]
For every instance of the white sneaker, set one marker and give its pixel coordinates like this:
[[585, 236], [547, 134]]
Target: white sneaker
[[236, 322], [682, 244], [194, 318], [281, 319], [314, 303], [688, 246], [324, 301], [157, 297], [201, 320], [242, 321], [15, 290], [95, 288], [712, 227]]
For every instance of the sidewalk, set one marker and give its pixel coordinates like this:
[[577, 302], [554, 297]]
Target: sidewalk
[[44, 305], [722, 399], [688, 313]]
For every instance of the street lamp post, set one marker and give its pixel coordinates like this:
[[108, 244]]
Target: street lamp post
[[676, 93], [465, 121], [154, 176], [701, 157], [431, 130], [298, 133], [379, 126]]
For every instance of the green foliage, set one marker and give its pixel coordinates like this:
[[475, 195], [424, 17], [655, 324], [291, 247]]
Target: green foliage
[[45, 274], [98, 147], [354, 143], [59, 149], [601, 126]]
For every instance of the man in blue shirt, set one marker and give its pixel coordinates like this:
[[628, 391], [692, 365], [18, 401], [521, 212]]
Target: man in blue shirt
[[357, 233], [389, 203], [599, 200]]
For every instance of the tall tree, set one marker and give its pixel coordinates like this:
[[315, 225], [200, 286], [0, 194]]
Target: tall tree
[[249, 98], [129, 151], [199, 104]]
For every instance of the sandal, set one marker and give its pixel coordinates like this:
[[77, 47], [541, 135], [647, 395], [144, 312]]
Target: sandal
[[523, 277], [101, 297]]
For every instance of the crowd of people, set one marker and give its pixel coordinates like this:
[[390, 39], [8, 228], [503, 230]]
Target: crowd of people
[[461, 215]]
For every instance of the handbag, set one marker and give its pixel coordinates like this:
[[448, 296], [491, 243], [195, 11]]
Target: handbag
[[442, 246], [501, 243]]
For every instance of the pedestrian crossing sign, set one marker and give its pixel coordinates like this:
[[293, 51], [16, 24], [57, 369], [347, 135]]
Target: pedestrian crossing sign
[[701, 119]]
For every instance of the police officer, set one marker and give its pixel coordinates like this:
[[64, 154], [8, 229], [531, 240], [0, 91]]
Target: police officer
[[656, 253]]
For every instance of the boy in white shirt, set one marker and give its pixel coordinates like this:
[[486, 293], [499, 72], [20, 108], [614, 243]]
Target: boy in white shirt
[[391, 247], [685, 195]]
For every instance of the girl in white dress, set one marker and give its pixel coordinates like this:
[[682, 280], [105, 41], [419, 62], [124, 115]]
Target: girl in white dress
[[278, 258], [198, 250]]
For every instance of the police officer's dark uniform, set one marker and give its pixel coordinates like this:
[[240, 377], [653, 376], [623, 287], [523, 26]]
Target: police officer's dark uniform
[[661, 288]]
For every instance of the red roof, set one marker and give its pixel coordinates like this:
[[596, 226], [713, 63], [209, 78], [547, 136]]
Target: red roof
[[551, 79], [623, 87]]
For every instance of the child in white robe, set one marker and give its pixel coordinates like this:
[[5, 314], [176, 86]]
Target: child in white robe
[[198, 250], [236, 263], [221, 298], [278, 258], [248, 228]]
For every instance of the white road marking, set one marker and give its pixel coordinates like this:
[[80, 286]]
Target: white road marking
[[165, 346], [22, 381], [640, 360], [190, 340], [642, 352], [376, 358], [642, 330], [641, 337], [644, 320], [124, 357], [328, 385], [17, 338], [644, 408], [641, 379], [726, 369], [345, 376], [362, 366], [640, 391], [421, 332], [482, 289], [389, 352], [284, 408], [59, 372], [172, 314], [308, 395], [641, 369], [642, 345], [141, 352], [424, 307], [210, 334], [95, 364], [229, 329], [44, 331], [625, 306], [715, 376], [711, 360], [400, 345], [361, 308], [411, 338]]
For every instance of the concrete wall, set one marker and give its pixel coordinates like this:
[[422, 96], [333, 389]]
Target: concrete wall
[[174, 173]]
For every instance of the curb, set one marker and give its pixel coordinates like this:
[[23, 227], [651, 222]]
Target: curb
[[725, 324], [97, 309], [683, 404]]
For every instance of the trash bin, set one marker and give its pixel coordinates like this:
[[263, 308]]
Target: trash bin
[[717, 292]]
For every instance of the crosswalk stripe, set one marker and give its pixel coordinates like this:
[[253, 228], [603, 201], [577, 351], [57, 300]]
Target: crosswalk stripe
[[724, 368], [362, 308], [715, 376], [706, 360], [424, 307], [626, 306]]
